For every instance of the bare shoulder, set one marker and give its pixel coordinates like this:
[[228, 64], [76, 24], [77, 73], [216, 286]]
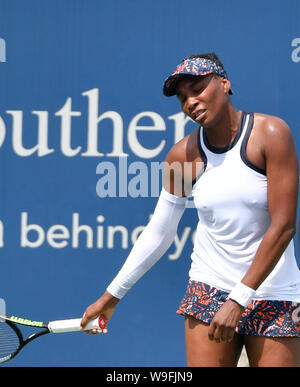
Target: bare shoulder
[[271, 127], [182, 165], [276, 139], [185, 150]]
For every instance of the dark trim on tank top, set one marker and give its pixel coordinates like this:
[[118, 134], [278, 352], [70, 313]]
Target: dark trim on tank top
[[244, 147], [202, 154], [233, 142]]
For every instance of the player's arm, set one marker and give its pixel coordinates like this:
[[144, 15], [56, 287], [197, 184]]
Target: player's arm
[[283, 176], [151, 245], [183, 165]]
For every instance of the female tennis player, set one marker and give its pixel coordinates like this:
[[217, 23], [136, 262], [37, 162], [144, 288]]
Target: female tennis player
[[244, 283]]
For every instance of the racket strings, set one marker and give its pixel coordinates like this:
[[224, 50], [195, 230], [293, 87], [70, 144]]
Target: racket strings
[[9, 341]]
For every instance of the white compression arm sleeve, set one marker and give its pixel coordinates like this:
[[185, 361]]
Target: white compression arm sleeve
[[151, 245]]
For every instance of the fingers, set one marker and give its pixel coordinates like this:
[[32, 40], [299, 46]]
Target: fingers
[[220, 333], [103, 307], [84, 321], [223, 325], [95, 331], [87, 316]]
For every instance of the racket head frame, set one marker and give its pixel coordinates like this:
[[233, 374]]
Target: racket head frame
[[71, 325], [9, 320]]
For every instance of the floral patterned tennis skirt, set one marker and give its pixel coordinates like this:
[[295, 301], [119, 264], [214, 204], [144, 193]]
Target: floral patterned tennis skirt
[[260, 318]]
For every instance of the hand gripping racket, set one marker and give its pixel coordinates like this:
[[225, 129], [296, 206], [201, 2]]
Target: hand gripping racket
[[11, 337]]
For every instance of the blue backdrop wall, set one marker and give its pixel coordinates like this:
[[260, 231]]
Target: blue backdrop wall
[[81, 89]]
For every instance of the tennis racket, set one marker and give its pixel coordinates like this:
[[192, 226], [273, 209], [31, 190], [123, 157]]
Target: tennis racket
[[12, 340]]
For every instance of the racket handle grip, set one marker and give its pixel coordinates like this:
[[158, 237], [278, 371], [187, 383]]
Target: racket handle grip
[[73, 325]]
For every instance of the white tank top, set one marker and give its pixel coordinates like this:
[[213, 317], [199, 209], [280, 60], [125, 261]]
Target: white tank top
[[231, 200]]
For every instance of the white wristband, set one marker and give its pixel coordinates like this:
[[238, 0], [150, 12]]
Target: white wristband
[[242, 294]]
